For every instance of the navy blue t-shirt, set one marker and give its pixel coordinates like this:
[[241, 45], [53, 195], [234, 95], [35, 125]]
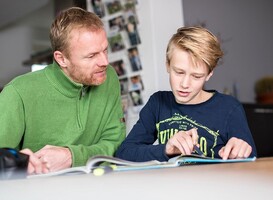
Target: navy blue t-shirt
[[217, 120]]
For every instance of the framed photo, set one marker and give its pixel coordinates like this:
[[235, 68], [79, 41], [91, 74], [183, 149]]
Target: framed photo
[[134, 59], [98, 7], [136, 97], [113, 6], [117, 23], [125, 104], [123, 86], [133, 34], [136, 83], [119, 67], [116, 43]]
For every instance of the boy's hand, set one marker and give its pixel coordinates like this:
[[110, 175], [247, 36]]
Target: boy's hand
[[235, 148], [182, 142]]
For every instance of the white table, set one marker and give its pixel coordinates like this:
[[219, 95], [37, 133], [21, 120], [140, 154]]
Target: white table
[[252, 180]]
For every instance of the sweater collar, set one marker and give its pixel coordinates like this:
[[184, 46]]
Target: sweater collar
[[62, 82]]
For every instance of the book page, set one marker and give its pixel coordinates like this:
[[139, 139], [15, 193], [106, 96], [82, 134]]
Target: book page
[[68, 171]]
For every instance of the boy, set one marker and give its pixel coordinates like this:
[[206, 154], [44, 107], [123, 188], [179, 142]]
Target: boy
[[190, 116]]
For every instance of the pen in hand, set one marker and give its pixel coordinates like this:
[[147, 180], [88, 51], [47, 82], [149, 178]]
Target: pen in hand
[[198, 151], [196, 148]]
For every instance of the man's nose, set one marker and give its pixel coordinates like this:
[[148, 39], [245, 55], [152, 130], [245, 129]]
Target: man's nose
[[103, 59]]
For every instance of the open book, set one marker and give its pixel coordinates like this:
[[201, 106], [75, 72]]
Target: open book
[[94, 166], [182, 160]]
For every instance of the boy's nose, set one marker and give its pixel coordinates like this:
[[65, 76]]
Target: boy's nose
[[185, 82]]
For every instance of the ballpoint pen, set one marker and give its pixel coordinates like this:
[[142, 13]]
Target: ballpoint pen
[[198, 151], [196, 148]]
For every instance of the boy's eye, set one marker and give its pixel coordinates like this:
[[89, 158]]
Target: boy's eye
[[179, 72], [197, 77]]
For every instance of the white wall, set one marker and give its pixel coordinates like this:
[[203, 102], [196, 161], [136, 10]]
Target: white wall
[[15, 47], [159, 20], [246, 29], [20, 38]]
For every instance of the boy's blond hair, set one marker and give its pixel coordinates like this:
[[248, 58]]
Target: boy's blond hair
[[199, 42]]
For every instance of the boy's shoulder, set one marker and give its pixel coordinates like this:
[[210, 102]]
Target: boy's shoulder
[[162, 95], [225, 99]]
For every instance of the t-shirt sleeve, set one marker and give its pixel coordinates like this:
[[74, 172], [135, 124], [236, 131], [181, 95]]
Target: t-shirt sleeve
[[238, 127], [138, 146]]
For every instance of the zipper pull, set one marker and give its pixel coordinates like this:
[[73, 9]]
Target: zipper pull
[[83, 91]]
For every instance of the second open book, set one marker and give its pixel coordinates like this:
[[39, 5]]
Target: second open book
[[110, 163]]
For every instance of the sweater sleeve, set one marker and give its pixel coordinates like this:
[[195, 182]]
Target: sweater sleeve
[[139, 144], [11, 118]]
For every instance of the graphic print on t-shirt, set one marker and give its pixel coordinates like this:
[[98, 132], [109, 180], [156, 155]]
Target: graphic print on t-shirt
[[168, 127]]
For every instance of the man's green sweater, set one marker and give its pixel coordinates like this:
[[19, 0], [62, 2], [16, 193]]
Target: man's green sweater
[[47, 108]]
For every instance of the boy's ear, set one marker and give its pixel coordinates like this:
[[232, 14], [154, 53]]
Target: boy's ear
[[210, 75], [168, 67], [60, 58]]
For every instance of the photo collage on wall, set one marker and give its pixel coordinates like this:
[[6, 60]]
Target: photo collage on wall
[[121, 23]]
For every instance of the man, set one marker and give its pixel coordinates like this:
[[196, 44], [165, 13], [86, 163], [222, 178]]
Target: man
[[190, 116], [71, 110]]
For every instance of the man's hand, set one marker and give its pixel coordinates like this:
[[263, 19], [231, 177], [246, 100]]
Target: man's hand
[[35, 165], [182, 142], [56, 158], [235, 148]]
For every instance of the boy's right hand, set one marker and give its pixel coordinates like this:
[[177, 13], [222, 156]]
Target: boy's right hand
[[182, 142]]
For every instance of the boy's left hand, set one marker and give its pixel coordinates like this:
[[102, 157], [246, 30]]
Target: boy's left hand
[[235, 148]]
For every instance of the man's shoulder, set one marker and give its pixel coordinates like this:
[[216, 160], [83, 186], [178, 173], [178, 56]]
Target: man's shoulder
[[27, 80], [28, 77], [110, 69], [111, 75]]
